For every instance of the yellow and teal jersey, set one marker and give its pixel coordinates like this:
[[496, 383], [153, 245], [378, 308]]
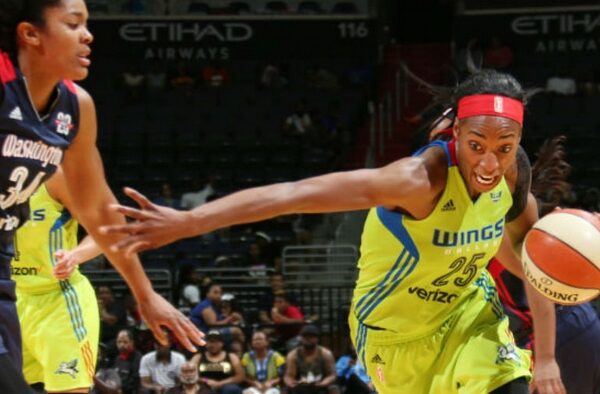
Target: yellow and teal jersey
[[414, 273], [50, 228]]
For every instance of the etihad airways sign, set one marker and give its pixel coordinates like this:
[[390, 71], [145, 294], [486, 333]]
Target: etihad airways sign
[[174, 32], [556, 24]]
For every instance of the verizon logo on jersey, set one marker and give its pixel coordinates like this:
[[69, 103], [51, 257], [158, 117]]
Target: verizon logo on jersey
[[35, 150]]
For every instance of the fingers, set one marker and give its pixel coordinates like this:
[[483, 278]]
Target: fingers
[[136, 247], [138, 197], [118, 229], [133, 213], [187, 333], [158, 333]]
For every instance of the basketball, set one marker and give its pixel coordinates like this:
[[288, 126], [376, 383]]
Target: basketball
[[561, 256]]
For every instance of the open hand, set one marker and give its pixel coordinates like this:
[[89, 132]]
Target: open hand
[[158, 313], [154, 225]]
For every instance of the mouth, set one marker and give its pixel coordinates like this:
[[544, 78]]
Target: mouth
[[84, 59], [485, 180]]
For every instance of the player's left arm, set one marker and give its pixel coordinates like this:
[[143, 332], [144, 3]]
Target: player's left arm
[[91, 199], [521, 218]]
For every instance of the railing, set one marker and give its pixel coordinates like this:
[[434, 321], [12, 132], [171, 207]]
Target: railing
[[320, 265], [161, 279]]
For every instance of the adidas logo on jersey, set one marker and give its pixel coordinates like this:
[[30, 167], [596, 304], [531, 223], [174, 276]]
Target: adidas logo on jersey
[[377, 360], [449, 206], [16, 114]]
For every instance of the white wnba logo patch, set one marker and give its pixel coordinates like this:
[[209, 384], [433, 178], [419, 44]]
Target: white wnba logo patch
[[498, 104]]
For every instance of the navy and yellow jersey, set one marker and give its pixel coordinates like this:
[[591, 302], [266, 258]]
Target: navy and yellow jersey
[[32, 146], [414, 273], [51, 228]]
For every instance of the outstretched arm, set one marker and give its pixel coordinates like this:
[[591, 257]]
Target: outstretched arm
[[546, 376], [412, 184], [91, 200]]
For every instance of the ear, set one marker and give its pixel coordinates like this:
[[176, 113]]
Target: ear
[[28, 34], [455, 128]]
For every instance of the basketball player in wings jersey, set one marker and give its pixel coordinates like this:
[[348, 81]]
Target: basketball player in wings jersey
[[44, 45], [59, 318], [425, 316]]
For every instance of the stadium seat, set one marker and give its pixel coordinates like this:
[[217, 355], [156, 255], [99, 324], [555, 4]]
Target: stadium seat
[[344, 7], [239, 7], [198, 8], [309, 8]]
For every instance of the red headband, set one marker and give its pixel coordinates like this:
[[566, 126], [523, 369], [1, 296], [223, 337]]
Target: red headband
[[490, 104]]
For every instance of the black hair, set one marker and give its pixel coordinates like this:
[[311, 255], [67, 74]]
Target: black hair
[[13, 12], [445, 99], [550, 173]]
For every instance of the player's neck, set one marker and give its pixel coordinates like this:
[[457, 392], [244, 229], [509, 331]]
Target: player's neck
[[40, 83]]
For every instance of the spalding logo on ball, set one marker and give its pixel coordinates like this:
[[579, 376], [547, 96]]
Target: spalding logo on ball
[[561, 256]]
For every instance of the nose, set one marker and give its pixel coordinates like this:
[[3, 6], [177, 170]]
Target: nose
[[88, 37], [489, 162]]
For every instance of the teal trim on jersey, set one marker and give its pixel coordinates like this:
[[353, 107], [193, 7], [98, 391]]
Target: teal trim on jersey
[[55, 243], [439, 143], [387, 285], [404, 265], [361, 337], [490, 294], [393, 222]]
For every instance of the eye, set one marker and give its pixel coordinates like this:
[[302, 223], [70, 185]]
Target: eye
[[73, 26], [506, 148], [474, 146]]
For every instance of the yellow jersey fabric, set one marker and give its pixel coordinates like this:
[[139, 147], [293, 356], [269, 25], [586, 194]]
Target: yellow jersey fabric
[[425, 316], [414, 273], [60, 321], [50, 228]]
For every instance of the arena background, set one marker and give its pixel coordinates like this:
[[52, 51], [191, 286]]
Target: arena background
[[246, 67]]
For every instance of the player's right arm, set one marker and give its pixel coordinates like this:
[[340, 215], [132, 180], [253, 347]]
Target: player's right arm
[[411, 184]]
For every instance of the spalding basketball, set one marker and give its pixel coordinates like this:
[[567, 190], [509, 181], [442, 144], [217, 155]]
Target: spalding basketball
[[561, 256]]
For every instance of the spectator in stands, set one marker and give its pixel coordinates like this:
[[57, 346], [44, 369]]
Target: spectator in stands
[[267, 299], [238, 348], [156, 79], [270, 249], [352, 377], [310, 368], [272, 76], [562, 83], [166, 196], [215, 74], [198, 195], [256, 263], [182, 78], [299, 122], [219, 369], [133, 81], [134, 318], [159, 369], [106, 379], [189, 287], [127, 363], [586, 84], [230, 309], [207, 314], [264, 367], [113, 316], [189, 381], [288, 320], [319, 77], [498, 55]]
